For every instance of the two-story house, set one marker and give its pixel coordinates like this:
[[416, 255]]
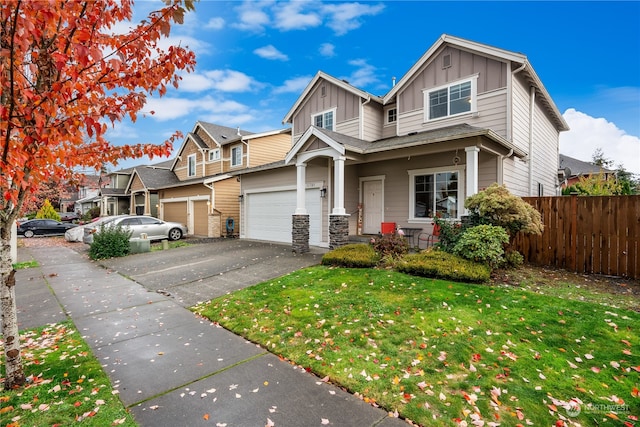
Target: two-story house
[[203, 193], [464, 116]]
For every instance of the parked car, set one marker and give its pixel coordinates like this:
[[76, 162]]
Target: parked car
[[152, 228], [43, 227], [68, 216]]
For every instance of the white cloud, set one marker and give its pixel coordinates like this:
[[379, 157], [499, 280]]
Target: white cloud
[[270, 52], [344, 17], [215, 23], [363, 76], [289, 16], [295, 85], [588, 134], [251, 17], [327, 50], [167, 108], [222, 80]]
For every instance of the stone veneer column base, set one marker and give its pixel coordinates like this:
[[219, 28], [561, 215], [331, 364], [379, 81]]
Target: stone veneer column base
[[338, 230], [214, 225], [300, 233]]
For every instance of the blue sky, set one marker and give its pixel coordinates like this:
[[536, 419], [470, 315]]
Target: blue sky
[[255, 58]]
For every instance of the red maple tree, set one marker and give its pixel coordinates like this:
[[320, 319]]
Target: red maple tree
[[65, 75]]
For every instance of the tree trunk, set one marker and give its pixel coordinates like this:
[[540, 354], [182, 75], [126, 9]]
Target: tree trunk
[[14, 371]]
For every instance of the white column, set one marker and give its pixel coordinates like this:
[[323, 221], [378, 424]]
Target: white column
[[301, 186], [472, 170], [338, 186]]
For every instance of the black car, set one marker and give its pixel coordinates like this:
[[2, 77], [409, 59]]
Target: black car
[[43, 227]]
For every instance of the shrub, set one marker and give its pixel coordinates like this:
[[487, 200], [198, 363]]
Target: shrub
[[443, 265], [449, 234], [359, 255], [393, 245], [47, 212], [513, 259], [483, 243], [110, 242], [497, 206]]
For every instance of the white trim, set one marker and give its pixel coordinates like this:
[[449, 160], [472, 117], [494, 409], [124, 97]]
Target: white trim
[[333, 112], [432, 171], [195, 162], [231, 159], [386, 115], [473, 79], [216, 158]]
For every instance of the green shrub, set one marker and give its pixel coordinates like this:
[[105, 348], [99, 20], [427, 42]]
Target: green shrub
[[47, 212], [483, 243], [497, 206], [449, 234], [513, 259], [443, 265], [110, 242], [359, 255], [393, 245]]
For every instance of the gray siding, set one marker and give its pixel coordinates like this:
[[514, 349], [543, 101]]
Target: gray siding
[[545, 154], [520, 114], [487, 170], [373, 118], [348, 105], [349, 128]]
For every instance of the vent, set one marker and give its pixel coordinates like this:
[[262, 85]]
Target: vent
[[323, 91], [446, 61]]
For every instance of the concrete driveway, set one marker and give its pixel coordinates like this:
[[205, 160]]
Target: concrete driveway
[[204, 271]]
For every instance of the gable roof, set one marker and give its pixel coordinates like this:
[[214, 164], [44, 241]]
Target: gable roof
[[340, 83], [519, 63], [578, 167], [153, 178]]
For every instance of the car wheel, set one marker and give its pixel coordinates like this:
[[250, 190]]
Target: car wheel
[[175, 234], [28, 233]]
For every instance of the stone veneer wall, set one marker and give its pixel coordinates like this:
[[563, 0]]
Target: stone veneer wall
[[214, 224], [300, 233], [338, 230]]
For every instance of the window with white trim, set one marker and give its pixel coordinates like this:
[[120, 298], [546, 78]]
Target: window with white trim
[[236, 155], [191, 165], [450, 100], [435, 192], [324, 120], [391, 115], [214, 155]]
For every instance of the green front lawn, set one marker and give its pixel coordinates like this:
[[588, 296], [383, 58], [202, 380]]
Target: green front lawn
[[444, 353]]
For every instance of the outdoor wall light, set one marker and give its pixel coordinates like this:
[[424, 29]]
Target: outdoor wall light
[[323, 192], [241, 198]]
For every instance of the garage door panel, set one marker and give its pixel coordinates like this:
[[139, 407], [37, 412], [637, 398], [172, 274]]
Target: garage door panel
[[175, 211], [269, 215]]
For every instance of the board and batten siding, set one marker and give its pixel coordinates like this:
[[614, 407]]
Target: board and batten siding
[[487, 169], [347, 103]]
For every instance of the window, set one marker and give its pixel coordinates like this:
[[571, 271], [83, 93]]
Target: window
[[236, 155], [392, 115], [456, 98], [435, 192], [324, 120], [191, 165], [214, 155]]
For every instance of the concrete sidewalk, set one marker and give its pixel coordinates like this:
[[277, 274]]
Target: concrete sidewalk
[[170, 367]]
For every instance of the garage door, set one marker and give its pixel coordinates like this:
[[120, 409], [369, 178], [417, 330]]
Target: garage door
[[176, 212], [269, 215], [200, 218]]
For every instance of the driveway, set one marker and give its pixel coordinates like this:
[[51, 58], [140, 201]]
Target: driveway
[[204, 271]]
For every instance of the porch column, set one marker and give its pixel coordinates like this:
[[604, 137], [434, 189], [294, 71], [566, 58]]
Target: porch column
[[301, 185], [472, 170], [338, 186]]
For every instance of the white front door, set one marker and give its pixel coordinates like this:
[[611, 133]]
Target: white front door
[[372, 205]]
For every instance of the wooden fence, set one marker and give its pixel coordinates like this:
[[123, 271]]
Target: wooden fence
[[586, 234]]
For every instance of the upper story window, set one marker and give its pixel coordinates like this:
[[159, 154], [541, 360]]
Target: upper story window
[[324, 120], [214, 155], [435, 192], [391, 115], [456, 98], [191, 165], [236, 155]]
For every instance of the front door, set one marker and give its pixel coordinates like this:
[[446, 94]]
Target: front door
[[371, 206]]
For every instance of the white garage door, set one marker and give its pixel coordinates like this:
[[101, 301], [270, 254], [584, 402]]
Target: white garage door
[[269, 215]]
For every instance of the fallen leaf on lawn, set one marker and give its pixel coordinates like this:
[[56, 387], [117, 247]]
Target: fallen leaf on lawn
[[269, 423], [6, 409], [205, 417], [324, 421], [595, 369]]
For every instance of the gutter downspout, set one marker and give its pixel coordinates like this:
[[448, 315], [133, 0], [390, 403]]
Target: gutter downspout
[[532, 103], [362, 116], [210, 187]]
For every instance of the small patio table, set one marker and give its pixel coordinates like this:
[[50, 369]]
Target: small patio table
[[411, 233]]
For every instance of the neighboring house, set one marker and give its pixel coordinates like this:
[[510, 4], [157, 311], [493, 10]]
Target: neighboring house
[[570, 170], [88, 193], [203, 193], [464, 116]]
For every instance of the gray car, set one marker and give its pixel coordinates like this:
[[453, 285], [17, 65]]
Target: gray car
[[141, 227]]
